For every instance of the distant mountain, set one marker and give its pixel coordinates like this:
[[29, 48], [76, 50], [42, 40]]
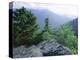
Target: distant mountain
[[55, 20], [74, 24]]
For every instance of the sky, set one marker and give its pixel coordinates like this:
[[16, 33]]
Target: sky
[[67, 10]]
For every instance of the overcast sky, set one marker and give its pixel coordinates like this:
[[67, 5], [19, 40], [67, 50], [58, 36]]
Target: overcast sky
[[67, 10]]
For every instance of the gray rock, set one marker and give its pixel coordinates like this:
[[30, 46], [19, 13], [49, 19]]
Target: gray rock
[[52, 48], [63, 50], [45, 48], [22, 52]]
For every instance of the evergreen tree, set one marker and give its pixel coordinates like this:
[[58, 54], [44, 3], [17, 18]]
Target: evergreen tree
[[44, 34], [46, 31], [46, 27], [66, 37], [25, 27]]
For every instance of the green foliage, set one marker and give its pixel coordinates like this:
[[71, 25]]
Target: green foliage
[[46, 27], [25, 27], [66, 37], [47, 32]]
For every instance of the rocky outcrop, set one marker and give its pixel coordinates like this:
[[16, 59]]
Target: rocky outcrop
[[22, 52], [52, 48], [45, 48]]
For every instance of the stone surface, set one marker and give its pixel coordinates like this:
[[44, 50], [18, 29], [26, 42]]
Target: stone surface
[[52, 48], [45, 48], [22, 52]]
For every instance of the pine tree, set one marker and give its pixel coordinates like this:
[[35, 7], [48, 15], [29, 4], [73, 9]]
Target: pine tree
[[25, 27], [44, 34], [46, 31], [66, 37], [46, 27]]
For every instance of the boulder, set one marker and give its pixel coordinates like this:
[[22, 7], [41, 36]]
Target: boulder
[[52, 48], [22, 52]]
